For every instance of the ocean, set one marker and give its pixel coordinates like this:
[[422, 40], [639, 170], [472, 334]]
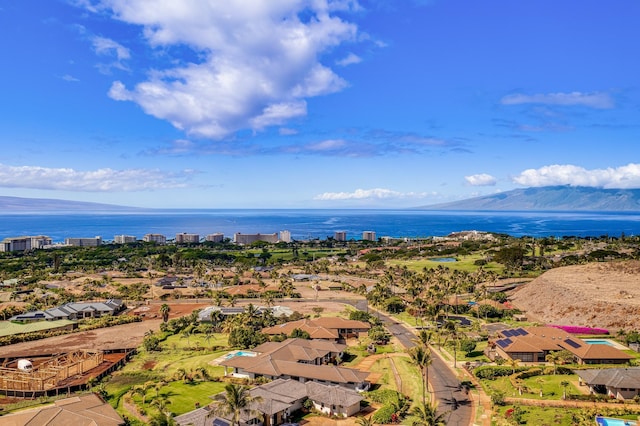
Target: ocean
[[307, 224]]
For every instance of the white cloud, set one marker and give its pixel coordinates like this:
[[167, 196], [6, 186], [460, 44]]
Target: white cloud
[[620, 177], [285, 131], [592, 100], [351, 59], [260, 59], [100, 180], [108, 47], [368, 194], [481, 179], [70, 78]]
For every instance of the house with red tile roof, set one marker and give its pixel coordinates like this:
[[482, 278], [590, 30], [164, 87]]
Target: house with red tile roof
[[533, 344], [297, 359], [328, 328]]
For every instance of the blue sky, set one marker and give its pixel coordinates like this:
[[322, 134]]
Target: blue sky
[[315, 103]]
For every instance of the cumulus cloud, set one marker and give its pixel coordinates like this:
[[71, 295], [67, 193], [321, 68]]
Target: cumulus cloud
[[368, 194], [481, 179], [258, 60], [619, 177], [592, 100], [100, 180]]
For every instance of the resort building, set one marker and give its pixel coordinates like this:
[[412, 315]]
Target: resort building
[[340, 235], [533, 344], [154, 238], [215, 238], [83, 242], [124, 239], [184, 238], [285, 236], [240, 238], [369, 236], [24, 243]]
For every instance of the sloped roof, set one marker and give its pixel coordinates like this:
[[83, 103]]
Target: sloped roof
[[332, 394], [281, 359], [315, 331], [85, 410], [546, 339], [613, 377], [600, 352]]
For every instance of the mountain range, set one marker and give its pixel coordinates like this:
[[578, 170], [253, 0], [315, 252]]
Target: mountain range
[[559, 198], [549, 198]]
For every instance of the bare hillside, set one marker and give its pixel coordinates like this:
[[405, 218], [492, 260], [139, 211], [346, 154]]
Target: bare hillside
[[594, 295]]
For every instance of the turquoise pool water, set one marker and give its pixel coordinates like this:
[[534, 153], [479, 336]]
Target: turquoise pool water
[[443, 259], [608, 421], [239, 353], [598, 342]]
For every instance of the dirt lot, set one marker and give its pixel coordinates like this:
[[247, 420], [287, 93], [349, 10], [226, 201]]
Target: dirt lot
[[603, 295]]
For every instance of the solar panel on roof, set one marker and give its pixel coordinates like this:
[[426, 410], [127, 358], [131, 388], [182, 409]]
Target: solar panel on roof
[[572, 343], [503, 343], [507, 333], [220, 422], [523, 332]]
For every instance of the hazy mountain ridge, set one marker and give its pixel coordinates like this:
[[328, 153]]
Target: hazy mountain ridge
[[561, 198], [19, 204]]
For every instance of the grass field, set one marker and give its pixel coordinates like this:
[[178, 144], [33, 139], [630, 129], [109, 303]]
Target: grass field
[[550, 384], [463, 263]]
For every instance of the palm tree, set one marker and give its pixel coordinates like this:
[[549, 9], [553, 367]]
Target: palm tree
[[164, 311], [564, 385], [513, 363], [365, 421], [426, 414], [553, 357], [235, 401], [421, 357]]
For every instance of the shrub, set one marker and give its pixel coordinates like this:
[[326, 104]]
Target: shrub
[[384, 415], [574, 329], [492, 371]]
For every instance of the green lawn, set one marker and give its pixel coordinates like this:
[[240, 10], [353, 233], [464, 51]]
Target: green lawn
[[183, 396], [539, 416], [464, 263], [550, 384]]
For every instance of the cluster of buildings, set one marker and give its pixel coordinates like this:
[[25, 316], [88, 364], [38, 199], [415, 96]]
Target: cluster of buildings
[[73, 311], [42, 241]]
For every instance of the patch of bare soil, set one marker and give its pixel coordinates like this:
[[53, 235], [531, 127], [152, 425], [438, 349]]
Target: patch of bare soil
[[603, 295]]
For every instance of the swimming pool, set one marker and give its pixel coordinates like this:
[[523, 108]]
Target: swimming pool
[[598, 342], [239, 353], [609, 421], [607, 342], [443, 259]]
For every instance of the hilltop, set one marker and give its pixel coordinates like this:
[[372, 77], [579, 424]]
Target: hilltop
[[603, 294], [560, 198]]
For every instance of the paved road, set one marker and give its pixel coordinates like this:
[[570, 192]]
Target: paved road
[[444, 382]]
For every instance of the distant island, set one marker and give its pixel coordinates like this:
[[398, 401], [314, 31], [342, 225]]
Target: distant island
[[19, 204], [558, 198], [548, 198]]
